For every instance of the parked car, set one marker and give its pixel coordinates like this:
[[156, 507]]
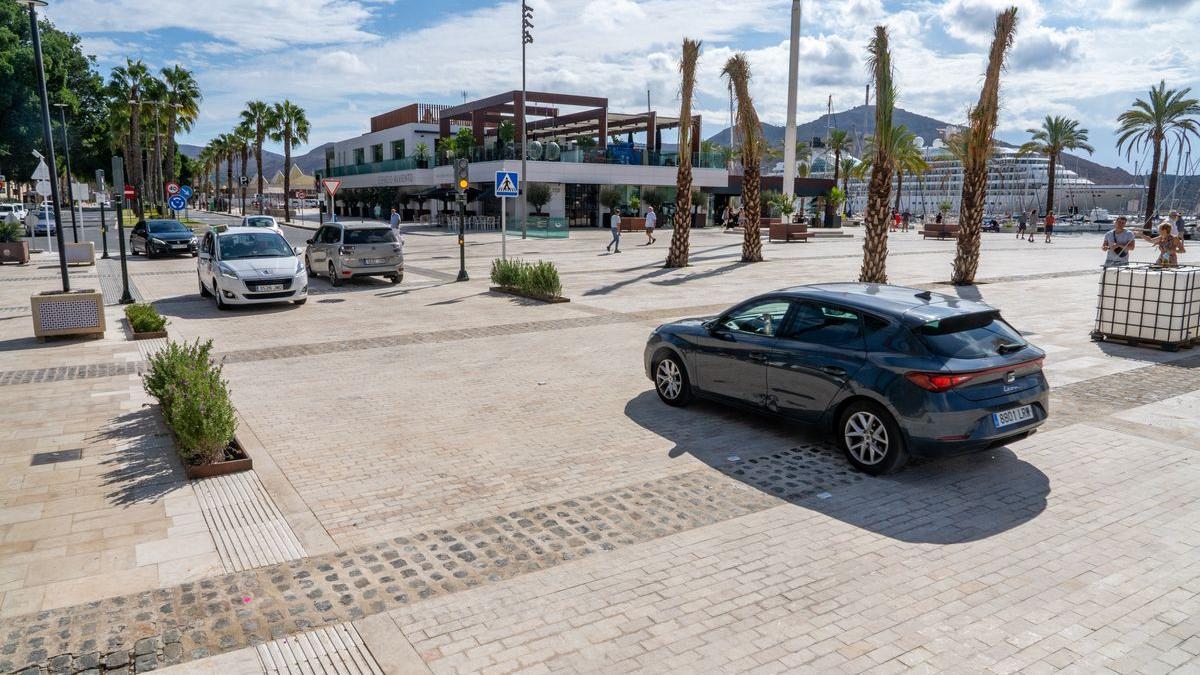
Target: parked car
[[13, 207], [161, 237], [892, 371], [45, 225], [268, 222], [250, 265], [343, 251]]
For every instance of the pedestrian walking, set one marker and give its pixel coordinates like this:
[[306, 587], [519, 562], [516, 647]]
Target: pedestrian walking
[[741, 217], [1022, 224], [651, 220], [615, 223], [1049, 225], [1033, 218], [395, 220], [906, 219], [727, 216], [1169, 246], [895, 220], [1118, 242], [1176, 224]]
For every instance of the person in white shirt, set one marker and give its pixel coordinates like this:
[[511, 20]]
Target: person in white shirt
[[651, 220], [615, 224]]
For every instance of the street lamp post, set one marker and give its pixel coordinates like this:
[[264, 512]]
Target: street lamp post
[[62, 110], [47, 133], [526, 39]]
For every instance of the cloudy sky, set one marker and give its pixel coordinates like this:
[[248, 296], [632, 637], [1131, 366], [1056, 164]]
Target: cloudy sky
[[345, 60]]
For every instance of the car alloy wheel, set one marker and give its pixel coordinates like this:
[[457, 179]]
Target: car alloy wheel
[[334, 279], [668, 379], [866, 438]]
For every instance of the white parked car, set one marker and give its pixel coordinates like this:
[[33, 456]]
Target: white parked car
[[250, 265], [268, 222], [13, 207]]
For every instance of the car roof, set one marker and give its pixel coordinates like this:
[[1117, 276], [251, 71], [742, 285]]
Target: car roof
[[256, 216], [363, 226], [911, 306], [237, 229]]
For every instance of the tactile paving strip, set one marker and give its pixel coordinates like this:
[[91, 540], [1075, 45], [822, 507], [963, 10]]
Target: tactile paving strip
[[332, 649], [248, 528]]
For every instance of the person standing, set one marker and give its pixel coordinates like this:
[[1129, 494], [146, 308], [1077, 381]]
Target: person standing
[[1176, 224], [651, 221], [906, 220], [1022, 224], [396, 221], [615, 224], [1049, 225], [727, 216], [1169, 246], [1118, 242]]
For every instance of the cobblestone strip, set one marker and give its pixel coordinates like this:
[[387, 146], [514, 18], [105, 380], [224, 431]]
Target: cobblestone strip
[[110, 282], [249, 608], [1108, 394], [63, 373], [245, 523], [332, 649]]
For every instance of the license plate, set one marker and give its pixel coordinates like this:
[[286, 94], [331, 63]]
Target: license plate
[[179, 245], [267, 288], [1010, 417], [374, 261]]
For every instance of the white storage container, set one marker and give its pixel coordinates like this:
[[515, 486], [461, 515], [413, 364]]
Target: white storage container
[[1149, 303]]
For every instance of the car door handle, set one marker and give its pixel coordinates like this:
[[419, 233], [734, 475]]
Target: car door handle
[[834, 371], [758, 357]]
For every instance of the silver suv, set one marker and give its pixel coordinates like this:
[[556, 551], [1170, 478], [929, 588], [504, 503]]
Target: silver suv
[[343, 251]]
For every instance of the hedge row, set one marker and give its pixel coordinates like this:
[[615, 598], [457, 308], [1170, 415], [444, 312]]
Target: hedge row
[[540, 278]]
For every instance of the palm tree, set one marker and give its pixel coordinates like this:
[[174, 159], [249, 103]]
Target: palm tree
[[1169, 114], [289, 125], [156, 92], [257, 119], [219, 146], [909, 160], [980, 145], [875, 221], [848, 169], [183, 98], [1056, 135], [240, 140], [737, 71], [204, 159], [838, 141], [128, 84], [677, 256]]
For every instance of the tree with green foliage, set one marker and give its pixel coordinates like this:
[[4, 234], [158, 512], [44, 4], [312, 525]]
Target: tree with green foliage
[[538, 195], [183, 109], [289, 125], [256, 119]]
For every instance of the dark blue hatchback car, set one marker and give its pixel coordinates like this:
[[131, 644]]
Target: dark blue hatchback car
[[893, 371]]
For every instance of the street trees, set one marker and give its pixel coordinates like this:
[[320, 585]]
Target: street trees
[[256, 118], [289, 125], [983, 119], [128, 84], [737, 72], [1166, 115], [183, 103], [677, 255], [875, 220]]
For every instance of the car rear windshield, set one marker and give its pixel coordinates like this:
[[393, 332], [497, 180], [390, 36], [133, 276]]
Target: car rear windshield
[[381, 235], [971, 336], [167, 226]]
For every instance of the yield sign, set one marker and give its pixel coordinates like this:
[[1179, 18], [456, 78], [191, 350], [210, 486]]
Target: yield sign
[[42, 172], [331, 186]]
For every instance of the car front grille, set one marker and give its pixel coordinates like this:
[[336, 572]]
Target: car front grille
[[272, 296], [253, 286]]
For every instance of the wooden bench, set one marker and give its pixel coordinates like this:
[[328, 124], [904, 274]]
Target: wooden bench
[[941, 231], [788, 232]]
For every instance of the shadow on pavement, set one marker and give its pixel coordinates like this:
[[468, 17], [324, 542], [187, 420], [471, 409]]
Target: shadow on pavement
[[143, 465], [947, 501]]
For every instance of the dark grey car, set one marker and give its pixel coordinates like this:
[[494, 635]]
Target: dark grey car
[[893, 371]]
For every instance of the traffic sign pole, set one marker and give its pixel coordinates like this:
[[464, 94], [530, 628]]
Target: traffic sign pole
[[504, 228], [507, 185], [103, 232]]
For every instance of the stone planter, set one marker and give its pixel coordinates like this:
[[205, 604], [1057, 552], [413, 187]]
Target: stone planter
[[14, 252], [240, 461], [83, 253], [76, 313], [553, 299]]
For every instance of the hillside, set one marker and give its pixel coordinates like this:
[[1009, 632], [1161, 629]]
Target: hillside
[[313, 160], [862, 119]]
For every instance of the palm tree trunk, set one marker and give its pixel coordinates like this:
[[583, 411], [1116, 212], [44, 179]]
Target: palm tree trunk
[[134, 161], [172, 149], [874, 267], [229, 179], [1152, 191], [1050, 171], [258, 143], [970, 227], [681, 237], [899, 188], [751, 188], [677, 256], [245, 160], [287, 177]]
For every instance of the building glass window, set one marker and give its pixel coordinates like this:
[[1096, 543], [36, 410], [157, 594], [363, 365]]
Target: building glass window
[[377, 153], [398, 149], [360, 156]]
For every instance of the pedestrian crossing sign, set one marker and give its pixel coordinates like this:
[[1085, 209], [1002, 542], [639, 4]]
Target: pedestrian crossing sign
[[508, 184]]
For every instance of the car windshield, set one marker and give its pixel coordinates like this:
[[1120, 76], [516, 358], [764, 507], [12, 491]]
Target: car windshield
[[244, 245], [261, 221], [971, 336], [167, 227], [380, 235]]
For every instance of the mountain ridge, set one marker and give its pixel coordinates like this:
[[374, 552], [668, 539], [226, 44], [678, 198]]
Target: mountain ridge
[[313, 160]]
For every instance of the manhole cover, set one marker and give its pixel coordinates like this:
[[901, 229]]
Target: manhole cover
[[56, 457]]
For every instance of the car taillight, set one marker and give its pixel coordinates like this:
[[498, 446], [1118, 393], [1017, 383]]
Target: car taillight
[[940, 382]]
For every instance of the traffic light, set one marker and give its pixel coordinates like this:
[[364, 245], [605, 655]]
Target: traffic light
[[462, 179]]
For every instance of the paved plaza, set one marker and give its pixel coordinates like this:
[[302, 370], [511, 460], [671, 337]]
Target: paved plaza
[[451, 480]]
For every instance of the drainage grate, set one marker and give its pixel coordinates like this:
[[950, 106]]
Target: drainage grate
[[56, 457]]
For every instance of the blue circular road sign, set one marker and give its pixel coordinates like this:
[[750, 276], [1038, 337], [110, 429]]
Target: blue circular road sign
[[177, 203], [185, 191]]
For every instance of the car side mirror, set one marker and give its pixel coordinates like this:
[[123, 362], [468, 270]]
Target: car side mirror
[[296, 250], [308, 242]]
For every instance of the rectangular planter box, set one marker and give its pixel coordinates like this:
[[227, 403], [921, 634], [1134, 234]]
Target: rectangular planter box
[[83, 253], [222, 468], [531, 296], [14, 252], [76, 313]]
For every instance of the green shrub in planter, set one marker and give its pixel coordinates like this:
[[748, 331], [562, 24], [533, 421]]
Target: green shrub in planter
[[169, 366], [202, 415], [144, 318], [10, 231], [507, 272], [541, 279]]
